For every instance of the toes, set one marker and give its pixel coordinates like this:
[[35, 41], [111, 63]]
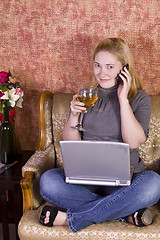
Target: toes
[[46, 220], [48, 214], [135, 217]]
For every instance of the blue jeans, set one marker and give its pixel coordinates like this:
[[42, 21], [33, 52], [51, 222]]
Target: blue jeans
[[86, 205]]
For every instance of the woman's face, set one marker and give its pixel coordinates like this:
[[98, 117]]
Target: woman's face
[[106, 69]]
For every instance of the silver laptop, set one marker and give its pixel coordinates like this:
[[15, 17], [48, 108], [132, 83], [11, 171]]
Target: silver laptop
[[96, 162]]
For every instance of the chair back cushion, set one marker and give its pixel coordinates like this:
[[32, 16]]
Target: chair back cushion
[[60, 114], [150, 150]]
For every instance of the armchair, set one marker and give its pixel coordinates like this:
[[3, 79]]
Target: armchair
[[53, 113]]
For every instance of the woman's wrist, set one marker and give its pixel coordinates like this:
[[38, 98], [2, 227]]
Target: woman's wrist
[[74, 115], [123, 101], [73, 119]]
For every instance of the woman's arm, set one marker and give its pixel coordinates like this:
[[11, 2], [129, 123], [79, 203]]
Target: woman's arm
[[132, 131], [76, 108]]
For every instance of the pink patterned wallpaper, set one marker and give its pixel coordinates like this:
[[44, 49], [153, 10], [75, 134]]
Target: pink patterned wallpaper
[[47, 45]]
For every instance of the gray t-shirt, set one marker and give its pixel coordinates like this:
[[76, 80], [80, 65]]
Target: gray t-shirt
[[103, 122]]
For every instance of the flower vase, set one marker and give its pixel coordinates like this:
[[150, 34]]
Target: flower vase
[[6, 139]]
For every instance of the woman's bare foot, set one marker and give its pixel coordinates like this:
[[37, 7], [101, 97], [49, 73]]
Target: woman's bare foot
[[142, 217], [130, 219], [60, 220]]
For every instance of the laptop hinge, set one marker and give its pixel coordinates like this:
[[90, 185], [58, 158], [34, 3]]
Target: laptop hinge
[[97, 182], [123, 182]]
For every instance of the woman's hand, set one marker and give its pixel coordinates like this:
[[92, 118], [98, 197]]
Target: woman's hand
[[76, 106], [123, 89]]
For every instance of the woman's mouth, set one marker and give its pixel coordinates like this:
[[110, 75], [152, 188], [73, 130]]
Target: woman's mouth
[[104, 79]]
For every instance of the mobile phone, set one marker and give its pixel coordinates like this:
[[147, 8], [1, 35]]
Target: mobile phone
[[119, 80]]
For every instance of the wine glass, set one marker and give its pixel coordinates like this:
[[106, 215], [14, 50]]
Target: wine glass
[[88, 96]]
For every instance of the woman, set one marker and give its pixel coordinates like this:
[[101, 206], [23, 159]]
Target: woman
[[121, 113]]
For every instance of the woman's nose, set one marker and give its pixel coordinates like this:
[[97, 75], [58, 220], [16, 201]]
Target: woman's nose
[[103, 72]]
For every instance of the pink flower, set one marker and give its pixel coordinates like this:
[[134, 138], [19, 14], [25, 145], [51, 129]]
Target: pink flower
[[1, 94], [12, 80], [19, 92], [3, 77]]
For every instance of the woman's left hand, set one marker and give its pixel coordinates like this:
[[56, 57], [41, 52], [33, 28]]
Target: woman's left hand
[[123, 88]]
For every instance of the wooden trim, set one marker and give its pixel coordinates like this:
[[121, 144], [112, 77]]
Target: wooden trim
[[27, 193], [42, 129]]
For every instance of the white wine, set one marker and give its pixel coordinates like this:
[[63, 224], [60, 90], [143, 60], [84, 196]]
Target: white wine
[[88, 99], [88, 96]]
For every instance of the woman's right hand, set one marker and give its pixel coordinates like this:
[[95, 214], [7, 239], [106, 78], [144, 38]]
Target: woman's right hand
[[68, 132], [76, 106]]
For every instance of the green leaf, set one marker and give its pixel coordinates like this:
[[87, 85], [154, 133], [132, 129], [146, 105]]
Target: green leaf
[[2, 108]]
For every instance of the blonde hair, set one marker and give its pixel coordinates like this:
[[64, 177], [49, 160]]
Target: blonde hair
[[120, 49]]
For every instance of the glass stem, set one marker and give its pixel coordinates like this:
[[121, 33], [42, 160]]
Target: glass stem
[[81, 118]]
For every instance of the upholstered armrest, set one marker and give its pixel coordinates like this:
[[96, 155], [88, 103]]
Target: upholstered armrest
[[39, 162]]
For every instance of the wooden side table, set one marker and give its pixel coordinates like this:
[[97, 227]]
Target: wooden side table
[[11, 208]]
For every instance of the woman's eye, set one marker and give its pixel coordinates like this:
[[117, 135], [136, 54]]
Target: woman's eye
[[97, 65], [110, 67]]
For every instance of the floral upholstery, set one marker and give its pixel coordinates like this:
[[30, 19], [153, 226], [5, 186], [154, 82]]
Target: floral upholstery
[[56, 112]]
